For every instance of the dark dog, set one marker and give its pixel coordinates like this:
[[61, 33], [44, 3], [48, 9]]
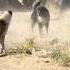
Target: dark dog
[[41, 16], [5, 19]]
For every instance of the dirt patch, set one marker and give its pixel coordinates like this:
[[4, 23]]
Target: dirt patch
[[16, 62]]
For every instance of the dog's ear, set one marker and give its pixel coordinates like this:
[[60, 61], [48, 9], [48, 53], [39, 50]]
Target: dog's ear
[[10, 12]]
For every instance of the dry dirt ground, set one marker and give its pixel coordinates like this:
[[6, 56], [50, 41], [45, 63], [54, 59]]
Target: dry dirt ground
[[20, 29], [22, 62]]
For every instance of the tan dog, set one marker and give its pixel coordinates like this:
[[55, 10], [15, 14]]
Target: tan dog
[[5, 19]]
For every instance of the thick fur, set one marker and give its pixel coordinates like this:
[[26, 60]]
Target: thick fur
[[5, 19], [41, 16]]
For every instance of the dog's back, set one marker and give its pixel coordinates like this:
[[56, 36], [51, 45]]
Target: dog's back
[[40, 11], [43, 14]]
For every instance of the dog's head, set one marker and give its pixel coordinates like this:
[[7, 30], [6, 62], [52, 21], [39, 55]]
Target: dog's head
[[7, 13], [6, 16]]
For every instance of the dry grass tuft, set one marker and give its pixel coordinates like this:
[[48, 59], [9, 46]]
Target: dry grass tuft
[[60, 53], [25, 47]]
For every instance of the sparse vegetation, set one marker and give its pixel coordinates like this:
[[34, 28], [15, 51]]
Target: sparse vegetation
[[25, 47], [61, 54], [28, 45]]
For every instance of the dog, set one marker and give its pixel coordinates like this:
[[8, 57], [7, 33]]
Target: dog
[[41, 16], [5, 19]]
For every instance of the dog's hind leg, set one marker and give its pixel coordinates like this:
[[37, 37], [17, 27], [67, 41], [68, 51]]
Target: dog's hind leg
[[3, 45], [46, 27], [33, 21], [33, 24], [40, 28]]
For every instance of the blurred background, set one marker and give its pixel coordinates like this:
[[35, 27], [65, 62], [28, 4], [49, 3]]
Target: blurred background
[[17, 4]]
